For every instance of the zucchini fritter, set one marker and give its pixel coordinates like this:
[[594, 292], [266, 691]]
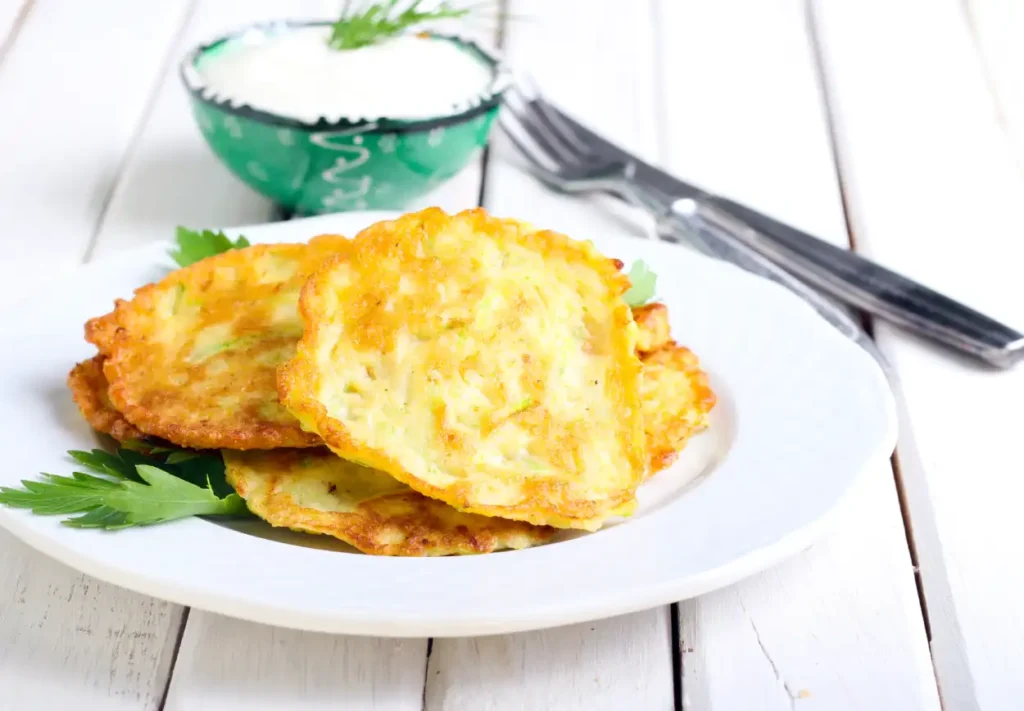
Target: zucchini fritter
[[193, 358], [315, 491], [652, 327], [480, 362], [89, 387], [100, 332], [676, 399]]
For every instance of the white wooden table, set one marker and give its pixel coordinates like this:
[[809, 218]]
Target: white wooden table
[[898, 126]]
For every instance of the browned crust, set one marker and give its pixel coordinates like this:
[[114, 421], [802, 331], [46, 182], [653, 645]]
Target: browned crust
[[142, 403], [678, 399], [653, 330], [298, 380], [88, 387], [426, 527], [100, 331]]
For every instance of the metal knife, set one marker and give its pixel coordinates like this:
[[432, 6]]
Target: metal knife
[[852, 278]]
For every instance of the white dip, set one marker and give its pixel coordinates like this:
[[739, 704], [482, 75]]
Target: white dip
[[297, 75]]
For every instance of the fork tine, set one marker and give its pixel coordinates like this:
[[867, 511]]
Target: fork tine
[[530, 93], [527, 117], [534, 154], [538, 163]]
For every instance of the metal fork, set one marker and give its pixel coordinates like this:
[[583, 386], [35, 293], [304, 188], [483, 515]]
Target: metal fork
[[568, 166], [558, 156]]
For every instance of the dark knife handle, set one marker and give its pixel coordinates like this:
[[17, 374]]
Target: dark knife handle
[[843, 274], [862, 283]]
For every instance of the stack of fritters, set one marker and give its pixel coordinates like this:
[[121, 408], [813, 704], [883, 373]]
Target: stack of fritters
[[477, 383]]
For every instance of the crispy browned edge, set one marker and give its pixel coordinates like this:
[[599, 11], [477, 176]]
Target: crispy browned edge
[[424, 531], [653, 330], [673, 439], [298, 380], [88, 388], [120, 364], [100, 331]]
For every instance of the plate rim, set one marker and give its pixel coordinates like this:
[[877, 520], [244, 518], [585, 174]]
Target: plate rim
[[23, 524]]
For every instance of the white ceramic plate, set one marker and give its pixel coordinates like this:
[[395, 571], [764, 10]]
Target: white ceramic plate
[[802, 413]]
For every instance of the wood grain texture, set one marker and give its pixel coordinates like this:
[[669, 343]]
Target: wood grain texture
[[934, 192], [172, 177], [624, 662], [227, 664], [70, 641], [838, 627], [73, 114], [67, 640], [608, 664], [998, 26]]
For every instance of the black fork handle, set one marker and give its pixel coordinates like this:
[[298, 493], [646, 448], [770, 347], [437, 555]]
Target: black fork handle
[[866, 285]]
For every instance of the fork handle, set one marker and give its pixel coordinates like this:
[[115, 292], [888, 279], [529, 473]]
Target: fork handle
[[710, 242], [868, 286]]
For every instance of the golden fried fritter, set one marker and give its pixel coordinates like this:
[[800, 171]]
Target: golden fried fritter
[[480, 362], [100, 332], [676, 399], [315, 491], [88, 387], [675, 396], [652, 327], [194, 357]]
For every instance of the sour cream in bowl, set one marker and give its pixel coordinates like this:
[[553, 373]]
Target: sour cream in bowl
[[318, 129]]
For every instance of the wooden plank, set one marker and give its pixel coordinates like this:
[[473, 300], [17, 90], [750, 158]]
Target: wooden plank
[[173, 178], [997, 26], [227, 664], [838, 627], [67, 640], [934, 192], [608, 664], [72, 114]]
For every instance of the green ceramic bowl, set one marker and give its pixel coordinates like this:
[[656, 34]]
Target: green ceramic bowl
[[333, 166]]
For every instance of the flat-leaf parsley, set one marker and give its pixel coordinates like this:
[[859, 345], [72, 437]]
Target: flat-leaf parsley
[[642, 282], [194, 245], [131, 488]]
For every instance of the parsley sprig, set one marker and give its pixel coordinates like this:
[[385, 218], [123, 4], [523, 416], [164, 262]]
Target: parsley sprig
[[642, 282], [194, 245], [380, 20], [135, 487]]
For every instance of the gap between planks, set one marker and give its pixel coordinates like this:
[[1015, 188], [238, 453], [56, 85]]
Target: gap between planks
[[17, 22], [866, 321], [169, 59], [179, 635]]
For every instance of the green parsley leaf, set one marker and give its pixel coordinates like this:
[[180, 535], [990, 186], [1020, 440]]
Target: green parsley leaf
[[132, 488], [195, 245], [105, 463], [642, 281], [181, 456], [368, 26]]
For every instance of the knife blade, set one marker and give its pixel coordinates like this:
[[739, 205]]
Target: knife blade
[[855, 279]]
